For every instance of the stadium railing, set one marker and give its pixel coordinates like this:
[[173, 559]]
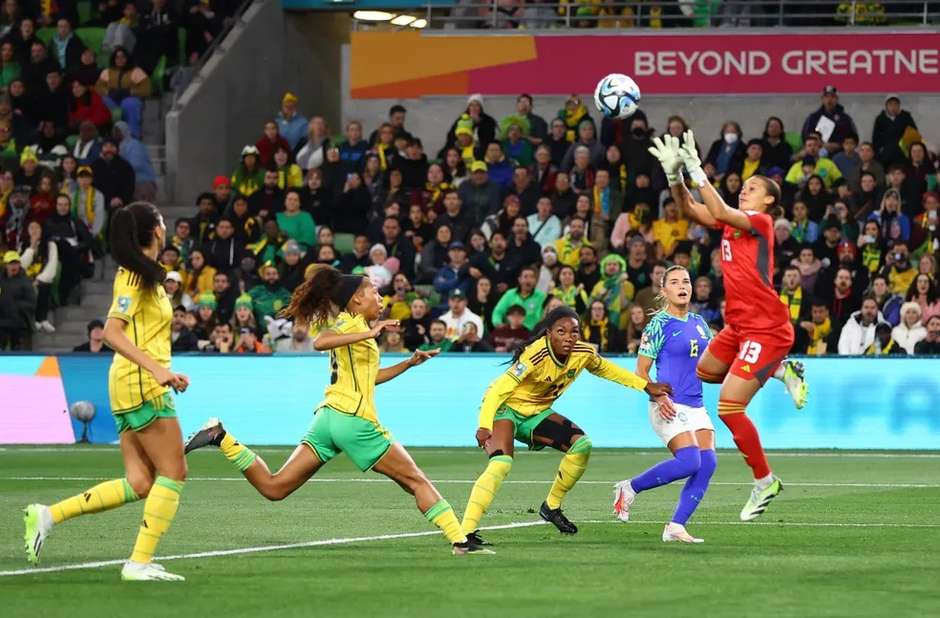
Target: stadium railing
[[739, 13]]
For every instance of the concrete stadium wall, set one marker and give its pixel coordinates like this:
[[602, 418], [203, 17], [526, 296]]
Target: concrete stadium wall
[[855, 403], [267, 53]]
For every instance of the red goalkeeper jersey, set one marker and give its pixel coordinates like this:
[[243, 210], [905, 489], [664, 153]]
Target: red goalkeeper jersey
[[747, 267]]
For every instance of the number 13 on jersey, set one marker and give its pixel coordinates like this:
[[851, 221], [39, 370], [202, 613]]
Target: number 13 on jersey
[[725, 250]]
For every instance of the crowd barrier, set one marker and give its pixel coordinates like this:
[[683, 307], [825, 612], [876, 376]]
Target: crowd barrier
[[855, 403]]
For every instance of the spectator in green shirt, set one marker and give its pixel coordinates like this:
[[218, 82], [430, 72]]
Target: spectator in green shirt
[[296, 223], [438, 335], [524, 295], [268, 297]]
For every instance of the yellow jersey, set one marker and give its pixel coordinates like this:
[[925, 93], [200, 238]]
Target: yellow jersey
[[148, 316], [533, 383], [353, 369]]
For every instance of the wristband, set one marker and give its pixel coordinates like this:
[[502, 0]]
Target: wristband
[[698, 177]]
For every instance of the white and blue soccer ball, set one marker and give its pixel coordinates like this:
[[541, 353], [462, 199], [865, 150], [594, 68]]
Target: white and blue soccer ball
[[617, 96]]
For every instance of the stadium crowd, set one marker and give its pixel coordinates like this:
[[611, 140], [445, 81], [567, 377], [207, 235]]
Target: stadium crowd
[[471, 245]]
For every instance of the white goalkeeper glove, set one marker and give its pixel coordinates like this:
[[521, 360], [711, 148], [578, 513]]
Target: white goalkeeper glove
[[691, 160], [666, 151]]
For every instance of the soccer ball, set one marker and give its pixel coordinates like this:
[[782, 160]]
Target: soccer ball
[[617, 96]]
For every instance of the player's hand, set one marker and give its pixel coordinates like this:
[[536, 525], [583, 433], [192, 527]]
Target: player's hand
[[420, 356], [657, 389], [382, 325], [165, 377], [483, 436], [666, 151], [667, 411], [690, 159]]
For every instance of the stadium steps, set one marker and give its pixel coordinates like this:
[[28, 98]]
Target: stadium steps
[[71, 321]]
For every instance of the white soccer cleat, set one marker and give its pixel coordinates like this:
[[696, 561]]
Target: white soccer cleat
[[149, 572], [794, 379], [623, 498], [676, 533], [38, 522], [46, 326]]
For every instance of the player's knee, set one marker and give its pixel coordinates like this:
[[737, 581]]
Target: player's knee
[[581, 444], [176, 470], [709, 461], [140, 483], [690, 460]]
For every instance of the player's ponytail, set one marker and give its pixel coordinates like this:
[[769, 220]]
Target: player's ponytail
[[314, 299], [547, 322], [132, 229]]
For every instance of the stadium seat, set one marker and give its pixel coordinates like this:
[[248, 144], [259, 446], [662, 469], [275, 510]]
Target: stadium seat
[[794, 139], [343, 243], [93, 38], [45, 35]]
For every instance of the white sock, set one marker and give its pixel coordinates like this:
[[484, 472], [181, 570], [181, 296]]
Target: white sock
[[765, 482], [781, 369]]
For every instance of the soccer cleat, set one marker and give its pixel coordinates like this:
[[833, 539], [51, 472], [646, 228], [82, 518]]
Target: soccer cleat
[[211, 433], [794, 379], [760, 499], [623, 498], [474, 537], [149, 572], [557, 519], [471, 547], [38, 523], [677, 533]]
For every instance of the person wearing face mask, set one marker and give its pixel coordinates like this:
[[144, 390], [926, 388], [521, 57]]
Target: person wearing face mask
[[635, 147], [727, 153], [898, 269]]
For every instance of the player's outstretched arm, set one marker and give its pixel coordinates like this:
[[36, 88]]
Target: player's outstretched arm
[[328, 339], [715, 205], [387, 373], [691, 209]]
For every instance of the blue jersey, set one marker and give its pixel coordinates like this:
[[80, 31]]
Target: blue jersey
[[676, 346]]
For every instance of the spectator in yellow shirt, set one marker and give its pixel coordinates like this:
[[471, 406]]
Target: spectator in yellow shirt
[[569, 245], [670, 229], [822, 166]]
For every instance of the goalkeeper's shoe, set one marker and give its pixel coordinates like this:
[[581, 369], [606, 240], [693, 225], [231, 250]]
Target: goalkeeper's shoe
[[210, 434], [760, 499], [557, 519], [38, 521], [474, 537], [794, 379], [149, 572], [471, 547], [623, 498], [677, 533]]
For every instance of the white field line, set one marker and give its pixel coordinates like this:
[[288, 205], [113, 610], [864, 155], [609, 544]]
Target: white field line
[[407, 535], [471, 481], [797, 524], [467, 451], [256, 550]]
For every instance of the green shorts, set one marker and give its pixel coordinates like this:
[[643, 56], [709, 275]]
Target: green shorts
[[140, 418], [333, 432], [525, 425]]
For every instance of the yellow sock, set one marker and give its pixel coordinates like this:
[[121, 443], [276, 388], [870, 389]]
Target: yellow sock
[[572, 466], [159, 511], [484, 491], [442, 516], [237, 453], [107, 495]]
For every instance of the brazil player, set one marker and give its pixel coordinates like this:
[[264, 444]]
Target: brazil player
[[757, 336], [344, 306], [675, 339], [138, 329], [518, 405]]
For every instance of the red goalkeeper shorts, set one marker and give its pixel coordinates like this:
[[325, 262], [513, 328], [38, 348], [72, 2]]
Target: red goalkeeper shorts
[[752, 356]]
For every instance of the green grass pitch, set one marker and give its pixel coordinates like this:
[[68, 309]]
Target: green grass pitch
[[853, 534]]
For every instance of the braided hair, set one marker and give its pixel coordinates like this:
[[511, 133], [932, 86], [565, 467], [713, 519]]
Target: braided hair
[[558, 313]]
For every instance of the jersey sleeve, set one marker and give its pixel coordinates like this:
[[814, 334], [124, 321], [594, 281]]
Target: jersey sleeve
[[603, 368], [652, 339], [128, 296], [502, 387], [762, 224]]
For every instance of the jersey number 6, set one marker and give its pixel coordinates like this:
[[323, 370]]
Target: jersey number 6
[[750, 351]]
